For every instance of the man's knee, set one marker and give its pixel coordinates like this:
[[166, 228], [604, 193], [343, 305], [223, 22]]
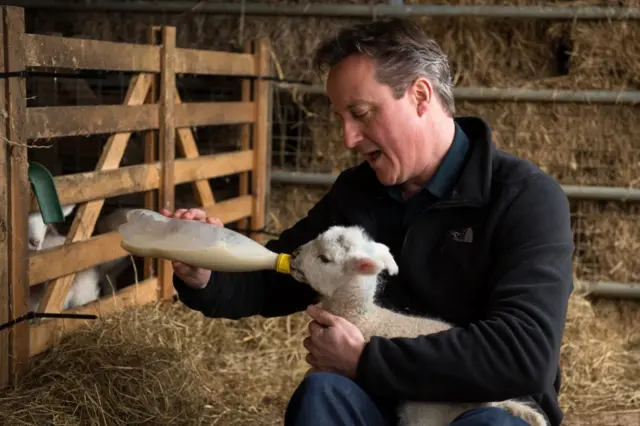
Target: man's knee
[[327, 398], [488, 416]]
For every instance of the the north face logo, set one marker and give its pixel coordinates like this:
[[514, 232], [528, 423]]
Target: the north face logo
[[463, 236]]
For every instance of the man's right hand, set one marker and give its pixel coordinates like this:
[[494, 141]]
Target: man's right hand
[[192, 276]]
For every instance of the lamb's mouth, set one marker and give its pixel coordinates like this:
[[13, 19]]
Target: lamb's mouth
[[298, 275]]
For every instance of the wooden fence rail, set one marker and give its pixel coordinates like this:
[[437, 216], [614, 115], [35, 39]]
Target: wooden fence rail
[[152, 105]]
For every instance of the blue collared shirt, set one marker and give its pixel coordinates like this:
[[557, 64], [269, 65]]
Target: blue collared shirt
[[441, 184]]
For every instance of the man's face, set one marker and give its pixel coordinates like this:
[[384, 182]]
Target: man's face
[[384, 130]]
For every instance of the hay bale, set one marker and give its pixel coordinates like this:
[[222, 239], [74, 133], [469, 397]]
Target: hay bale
[[600, 358], [607, 245], [164, 364]]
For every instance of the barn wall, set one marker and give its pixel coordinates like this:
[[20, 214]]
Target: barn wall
[[575, 143]]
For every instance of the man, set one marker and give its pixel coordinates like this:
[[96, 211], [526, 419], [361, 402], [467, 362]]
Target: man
[[483, 240]]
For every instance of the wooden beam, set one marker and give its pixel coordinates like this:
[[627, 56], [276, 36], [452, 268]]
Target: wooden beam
[[5, 227], [231, 210], [75, 53], [167, 139], [87, 214], [245, 134], [51, 122], [45, 265], [82, 187], [188, 148], [150, 149], [214, 113], [44, 335], [19, 190], [191, 61], [260, 137], [50, 264]]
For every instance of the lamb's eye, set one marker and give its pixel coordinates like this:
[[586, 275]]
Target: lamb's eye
[[323, 258]]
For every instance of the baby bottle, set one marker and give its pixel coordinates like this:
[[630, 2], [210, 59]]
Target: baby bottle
[[150, 234]]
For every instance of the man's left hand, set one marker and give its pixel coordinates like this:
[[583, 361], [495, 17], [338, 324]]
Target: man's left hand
[[334, 344]]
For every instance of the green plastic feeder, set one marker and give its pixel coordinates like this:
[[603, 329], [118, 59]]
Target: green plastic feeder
[[46, 193]]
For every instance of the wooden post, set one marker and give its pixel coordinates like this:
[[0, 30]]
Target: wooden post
[[19, 191], [5, 291], [260, 134], [245, 138], [167, 136], [150, 149]]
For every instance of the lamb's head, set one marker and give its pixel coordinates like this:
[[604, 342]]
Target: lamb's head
[[37, 229], [339, 255]]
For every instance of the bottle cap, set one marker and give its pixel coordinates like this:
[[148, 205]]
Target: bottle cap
[[282, 264]]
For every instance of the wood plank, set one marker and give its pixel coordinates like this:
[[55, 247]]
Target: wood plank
[[189, 149], [213, 166], [214, 113], [245, 135], [191, 61], [260, 137], [76, 53], [167, 140], [19, 188], [87, 214], [45, 335], [51, 122], [5, 223], [150, 149], [53, 263], [82, 187], [231, 210]]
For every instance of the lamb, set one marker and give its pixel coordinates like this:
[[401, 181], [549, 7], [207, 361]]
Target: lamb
[[38, 230], [85, 287], [343, 265]]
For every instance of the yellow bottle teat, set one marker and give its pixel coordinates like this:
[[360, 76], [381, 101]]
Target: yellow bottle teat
[[282, 264]]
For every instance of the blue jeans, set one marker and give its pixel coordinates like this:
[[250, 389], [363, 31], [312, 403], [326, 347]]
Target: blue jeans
[[333, 400]]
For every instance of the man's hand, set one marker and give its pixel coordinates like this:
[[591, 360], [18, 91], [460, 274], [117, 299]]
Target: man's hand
[[193, 277], [334, 344]]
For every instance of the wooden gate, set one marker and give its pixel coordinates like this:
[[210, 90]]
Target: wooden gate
[[155, 66]]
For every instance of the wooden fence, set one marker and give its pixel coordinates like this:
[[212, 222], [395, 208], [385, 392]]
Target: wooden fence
[[164, 118]]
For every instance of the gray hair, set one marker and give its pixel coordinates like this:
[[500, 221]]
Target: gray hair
[[401, 51]]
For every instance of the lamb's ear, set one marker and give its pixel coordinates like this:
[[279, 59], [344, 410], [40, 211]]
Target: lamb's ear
[[384, 255], [66, 210], [363, 265]]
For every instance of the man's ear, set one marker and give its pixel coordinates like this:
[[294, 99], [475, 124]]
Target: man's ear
[[422, 93], [363, 265]]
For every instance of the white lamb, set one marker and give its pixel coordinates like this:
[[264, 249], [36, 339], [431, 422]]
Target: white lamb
[[85, 287], [38, 230], [342, 265]]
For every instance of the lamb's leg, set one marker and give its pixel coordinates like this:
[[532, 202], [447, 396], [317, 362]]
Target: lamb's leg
[[414, 413], [520, 409]]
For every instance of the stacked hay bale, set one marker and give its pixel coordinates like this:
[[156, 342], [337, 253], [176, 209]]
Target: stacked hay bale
[[576, 143]]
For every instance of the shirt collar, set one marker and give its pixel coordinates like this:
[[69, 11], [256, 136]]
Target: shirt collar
[[445, 177]]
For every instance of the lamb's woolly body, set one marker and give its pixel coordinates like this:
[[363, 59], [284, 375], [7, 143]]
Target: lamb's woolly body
[[343, 265], [85, 287]]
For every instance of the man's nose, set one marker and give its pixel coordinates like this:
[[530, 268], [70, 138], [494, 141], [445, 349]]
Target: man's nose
[[352, 134]]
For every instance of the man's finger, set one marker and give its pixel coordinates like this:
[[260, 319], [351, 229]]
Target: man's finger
[[321, 316], [178, 213], [214, 221], [315, 328]]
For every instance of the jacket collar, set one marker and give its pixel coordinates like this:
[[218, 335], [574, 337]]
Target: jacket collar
[[473, 186]]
